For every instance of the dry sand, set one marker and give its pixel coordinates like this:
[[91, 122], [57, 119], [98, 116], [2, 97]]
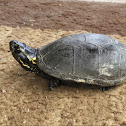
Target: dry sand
[[25, 98]]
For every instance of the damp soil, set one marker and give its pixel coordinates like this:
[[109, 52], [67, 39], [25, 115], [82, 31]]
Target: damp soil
[[24, 97], [104, 18]]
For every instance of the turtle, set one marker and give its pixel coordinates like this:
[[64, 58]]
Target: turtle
[[87, 58]]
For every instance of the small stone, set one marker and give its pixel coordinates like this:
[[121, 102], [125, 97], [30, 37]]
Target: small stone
[[24, 121], [3, 91], [17, 27]]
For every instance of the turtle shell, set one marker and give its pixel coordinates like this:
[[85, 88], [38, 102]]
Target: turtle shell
[[88, 58]]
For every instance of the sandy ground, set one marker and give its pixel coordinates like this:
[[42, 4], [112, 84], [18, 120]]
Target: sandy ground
[[25, 98]]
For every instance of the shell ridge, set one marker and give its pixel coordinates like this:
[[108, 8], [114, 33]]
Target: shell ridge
[[73, 68]]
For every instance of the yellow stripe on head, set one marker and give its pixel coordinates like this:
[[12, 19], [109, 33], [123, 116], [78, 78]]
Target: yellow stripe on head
[[33, 60], [24, 64]]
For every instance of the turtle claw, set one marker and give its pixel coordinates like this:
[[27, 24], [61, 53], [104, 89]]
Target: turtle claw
[[105, 88], [50, 88], [53, 83]]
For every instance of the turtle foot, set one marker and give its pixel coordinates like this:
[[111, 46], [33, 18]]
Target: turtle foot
[[53, 83], [105, 88]]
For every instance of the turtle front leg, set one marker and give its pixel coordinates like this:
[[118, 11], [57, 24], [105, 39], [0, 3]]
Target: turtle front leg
[[53, 83]]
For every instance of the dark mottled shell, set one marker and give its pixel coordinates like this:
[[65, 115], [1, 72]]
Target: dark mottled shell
[[89, 58]]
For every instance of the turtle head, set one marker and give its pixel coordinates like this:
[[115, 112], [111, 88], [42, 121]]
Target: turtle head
[[24, 54]]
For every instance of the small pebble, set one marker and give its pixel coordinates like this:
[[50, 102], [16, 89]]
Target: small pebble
[[3, 91]]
